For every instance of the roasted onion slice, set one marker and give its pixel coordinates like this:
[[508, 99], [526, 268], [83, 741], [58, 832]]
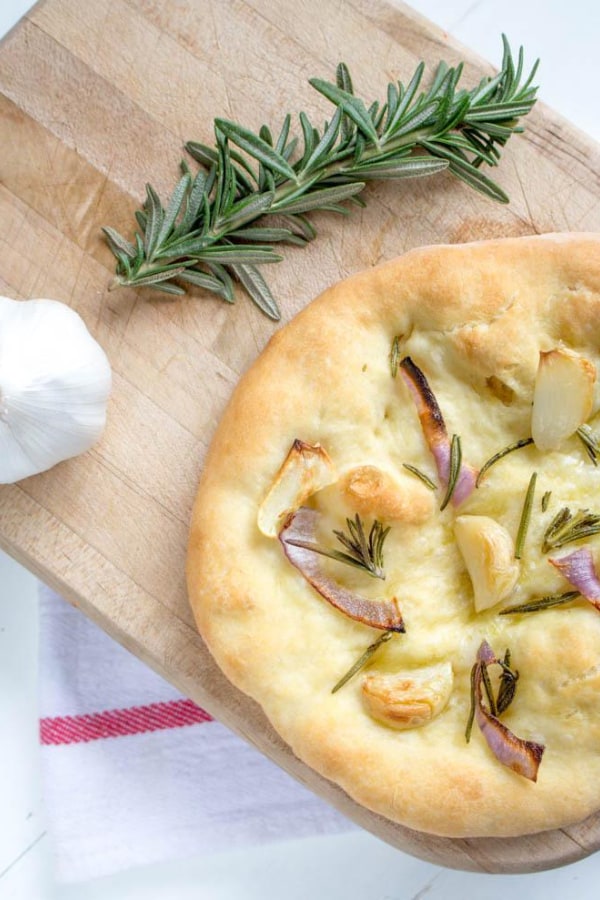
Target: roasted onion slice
[[578, 569], [523, 757], [435, 433], [297, 536]]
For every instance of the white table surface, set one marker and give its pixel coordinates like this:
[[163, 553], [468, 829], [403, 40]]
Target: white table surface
[[356, 866]]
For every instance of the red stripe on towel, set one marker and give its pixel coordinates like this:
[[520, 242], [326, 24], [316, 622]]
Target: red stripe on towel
[[120, 722]]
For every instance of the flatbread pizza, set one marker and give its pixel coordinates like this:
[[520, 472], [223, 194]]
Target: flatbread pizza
[[395, 544]]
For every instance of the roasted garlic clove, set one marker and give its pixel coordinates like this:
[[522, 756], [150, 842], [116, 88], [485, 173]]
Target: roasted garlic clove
[[373, 492], [408, 699], [306, 469], [563, 397], [489, 554]]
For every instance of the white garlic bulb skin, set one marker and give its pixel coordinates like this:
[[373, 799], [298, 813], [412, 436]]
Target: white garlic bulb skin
[[55, 381]]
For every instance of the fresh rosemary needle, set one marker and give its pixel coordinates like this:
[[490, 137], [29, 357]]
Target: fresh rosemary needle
[[506, 689], [525, 517], [455, 464], [420, 475], [361, 552], [253, 190], [566, 528], [590, 442], [395, 356], [471, 718], [487, 684], [541, 603], [524, 442], [362, 660], [508, 684]]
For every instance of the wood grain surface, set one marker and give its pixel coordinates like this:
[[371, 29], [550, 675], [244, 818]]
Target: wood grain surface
[[97, 98]]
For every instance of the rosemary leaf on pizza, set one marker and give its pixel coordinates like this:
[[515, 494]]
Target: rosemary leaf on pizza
[[299, 541], [567, 527], [540, 603], [362, 660], [590, 442], [522, 442]]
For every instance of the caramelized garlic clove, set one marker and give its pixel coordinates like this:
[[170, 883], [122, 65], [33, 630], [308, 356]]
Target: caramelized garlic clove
[[408, 699], [306, 469], [563, 397], [489, 554], [373, 492]]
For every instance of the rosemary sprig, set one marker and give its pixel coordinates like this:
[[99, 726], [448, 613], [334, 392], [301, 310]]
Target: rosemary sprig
[[525, 517], [455, 464], [566, 528], [366, 554], [524, 442], [590, 442], [421, 475], [362, 552], [546, 500], [506, 689], [254, 189], [541, 603], [362, 660]]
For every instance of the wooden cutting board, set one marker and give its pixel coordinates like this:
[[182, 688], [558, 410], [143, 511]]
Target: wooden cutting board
[[97, 98]]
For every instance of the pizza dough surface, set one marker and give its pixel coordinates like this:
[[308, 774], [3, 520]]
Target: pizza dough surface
[[474, 318]]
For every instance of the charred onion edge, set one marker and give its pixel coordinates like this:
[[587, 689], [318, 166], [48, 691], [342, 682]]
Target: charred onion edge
[[434, 431], [578, 569], [523, 757], [301, 526]]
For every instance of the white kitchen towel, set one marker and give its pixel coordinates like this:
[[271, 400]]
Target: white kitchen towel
[[134, 773]]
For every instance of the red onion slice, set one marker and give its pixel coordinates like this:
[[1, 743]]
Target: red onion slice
[[301, 526], [434, 431], [578, 569], [523, 757]]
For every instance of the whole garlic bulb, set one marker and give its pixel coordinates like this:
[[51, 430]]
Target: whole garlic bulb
[[54, 385]]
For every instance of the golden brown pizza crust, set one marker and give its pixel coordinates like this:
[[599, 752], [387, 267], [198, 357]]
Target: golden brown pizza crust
[[474, 317]]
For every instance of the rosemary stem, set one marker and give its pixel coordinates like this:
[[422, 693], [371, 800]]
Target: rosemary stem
[[288, 188], [362, 661], [205, 236], [340, 167]]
